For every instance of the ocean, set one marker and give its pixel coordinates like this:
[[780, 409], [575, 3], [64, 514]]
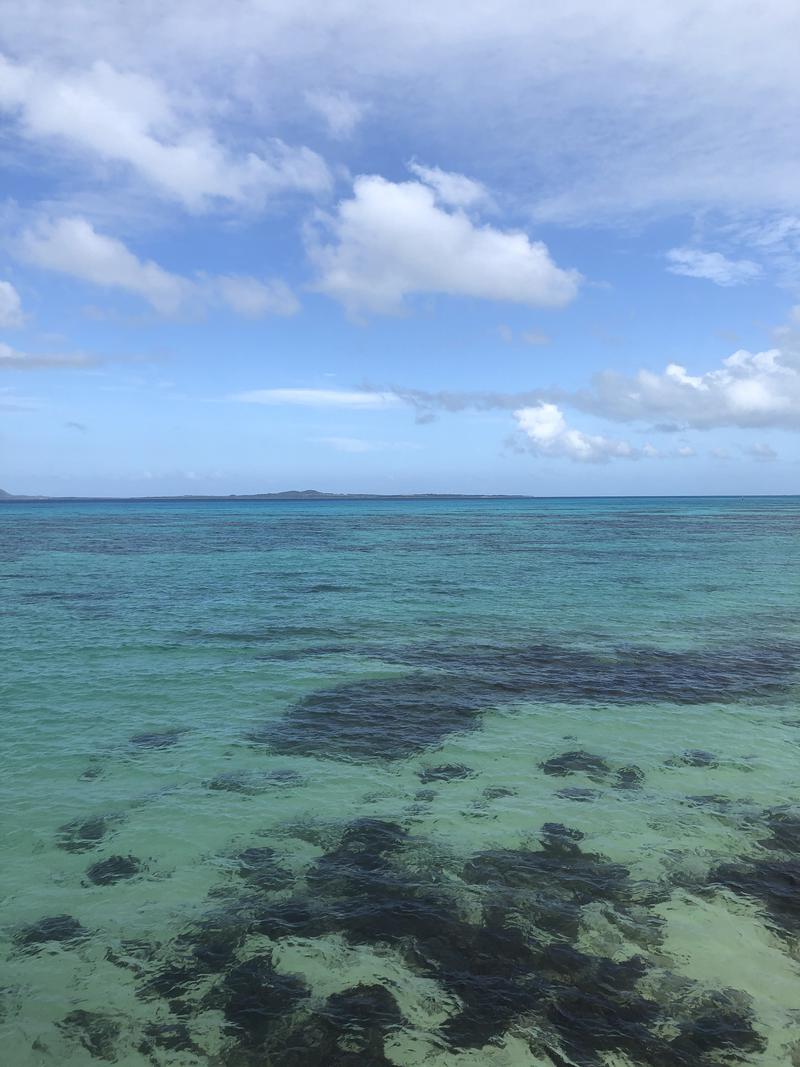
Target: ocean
[[449, 783]]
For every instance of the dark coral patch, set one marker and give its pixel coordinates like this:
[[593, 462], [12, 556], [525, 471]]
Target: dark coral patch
[[445, 772], [717, 1026], [171, 1037], [377, 719], [515, 961], [582, 796], [784, 830], [616, 675], [82, 835], [114, 869], [573, 762], [496, 792], [774, 882], [97, 1033], [630, 777], [259, 866], [694, 757], [255, 996], [63, 929]]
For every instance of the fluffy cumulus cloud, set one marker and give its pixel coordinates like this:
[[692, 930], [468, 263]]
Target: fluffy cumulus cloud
[[128, 118], [392, 240], [320, 398], [748, 390], [712, 266], [10, 306], [547, 434], [74, 247]]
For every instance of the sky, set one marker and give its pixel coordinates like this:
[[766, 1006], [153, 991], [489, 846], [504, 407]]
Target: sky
[[357, 246]]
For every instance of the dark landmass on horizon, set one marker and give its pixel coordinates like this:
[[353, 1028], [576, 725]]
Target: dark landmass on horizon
[[315, 494], [290, 494]]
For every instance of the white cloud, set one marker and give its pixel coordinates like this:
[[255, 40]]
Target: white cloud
[[74, 247], [128, 118], [319, 398], [454, 190], [549, 435], [339, 110], [392, 240], [747, 390], [10, 306], [596, 110], [713, 266]]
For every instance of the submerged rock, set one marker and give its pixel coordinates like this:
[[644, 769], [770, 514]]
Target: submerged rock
[[114, 869], [97, 1033]]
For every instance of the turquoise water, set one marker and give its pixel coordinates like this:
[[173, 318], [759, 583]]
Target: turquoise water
[[445, 783]]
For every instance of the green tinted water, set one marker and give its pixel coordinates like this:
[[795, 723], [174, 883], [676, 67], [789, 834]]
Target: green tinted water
[[163, 665]]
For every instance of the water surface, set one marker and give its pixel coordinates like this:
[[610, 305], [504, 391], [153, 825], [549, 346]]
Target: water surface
[[451, 783]]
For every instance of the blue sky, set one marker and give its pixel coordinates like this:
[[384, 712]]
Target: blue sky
[[362, 247]]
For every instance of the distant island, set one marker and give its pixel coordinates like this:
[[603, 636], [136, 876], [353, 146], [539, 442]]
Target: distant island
[[289, 494]]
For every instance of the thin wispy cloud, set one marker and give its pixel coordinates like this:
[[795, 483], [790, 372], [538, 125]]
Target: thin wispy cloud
[[340, 112], [713, 266], [14, 359], [319, 398]]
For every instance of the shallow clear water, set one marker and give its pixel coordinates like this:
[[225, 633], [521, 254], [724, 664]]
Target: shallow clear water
[[448, 783]]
